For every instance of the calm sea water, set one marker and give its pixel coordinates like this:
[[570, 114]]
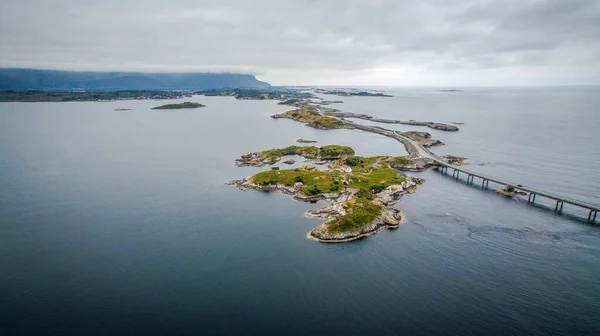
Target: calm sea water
[[119, 223]]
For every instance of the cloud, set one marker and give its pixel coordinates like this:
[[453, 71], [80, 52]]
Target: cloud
[[434, 42]]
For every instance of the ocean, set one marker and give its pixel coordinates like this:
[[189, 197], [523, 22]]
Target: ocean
[[120, 222]]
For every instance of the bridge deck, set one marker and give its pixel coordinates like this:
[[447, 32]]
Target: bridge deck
[[521, 187]]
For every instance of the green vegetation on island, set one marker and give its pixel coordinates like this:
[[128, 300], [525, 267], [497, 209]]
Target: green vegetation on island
[[314, 181], [367, 181], [311, 117], [363, 188], [399, 162], [360, 213], [309, 152], [186, 105]]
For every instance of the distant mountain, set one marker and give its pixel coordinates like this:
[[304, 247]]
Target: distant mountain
[[52, 80]]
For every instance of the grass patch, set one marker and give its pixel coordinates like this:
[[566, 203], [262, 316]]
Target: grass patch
[[400, 162], [360, 163], [368, 182], [312, 117], [311, 152], [362, 213], [315, 182]]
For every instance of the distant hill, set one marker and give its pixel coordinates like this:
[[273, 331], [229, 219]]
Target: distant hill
[[52, 80]]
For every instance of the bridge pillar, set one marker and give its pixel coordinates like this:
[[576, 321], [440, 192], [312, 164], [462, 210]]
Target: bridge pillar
[[556, 208], [457, 174], [592, 218], [532, 200]]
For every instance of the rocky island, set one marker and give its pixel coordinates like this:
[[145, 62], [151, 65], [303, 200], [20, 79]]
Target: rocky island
[[423, 138], [306, 141], [344, 93], [360, 190], [311, 117], [432, 125], [272, 156], [186, 105]]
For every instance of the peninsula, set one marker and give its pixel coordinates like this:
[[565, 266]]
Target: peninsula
[[186, 105], [360, 190]]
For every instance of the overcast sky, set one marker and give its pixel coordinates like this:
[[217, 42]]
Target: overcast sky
[[309, 42]]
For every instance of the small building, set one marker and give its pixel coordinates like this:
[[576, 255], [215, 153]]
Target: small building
[[319, 147], [298, 185]]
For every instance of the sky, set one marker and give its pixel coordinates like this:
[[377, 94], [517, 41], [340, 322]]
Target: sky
[[314, 42]]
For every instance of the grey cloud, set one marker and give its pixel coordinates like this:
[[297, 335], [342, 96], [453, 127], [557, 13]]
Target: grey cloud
[[281, 39]]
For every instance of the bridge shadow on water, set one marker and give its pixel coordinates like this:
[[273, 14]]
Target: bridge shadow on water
[[542, 205]]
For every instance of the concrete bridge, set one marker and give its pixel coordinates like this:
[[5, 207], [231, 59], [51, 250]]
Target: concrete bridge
[[532, 192], [416, 150]]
